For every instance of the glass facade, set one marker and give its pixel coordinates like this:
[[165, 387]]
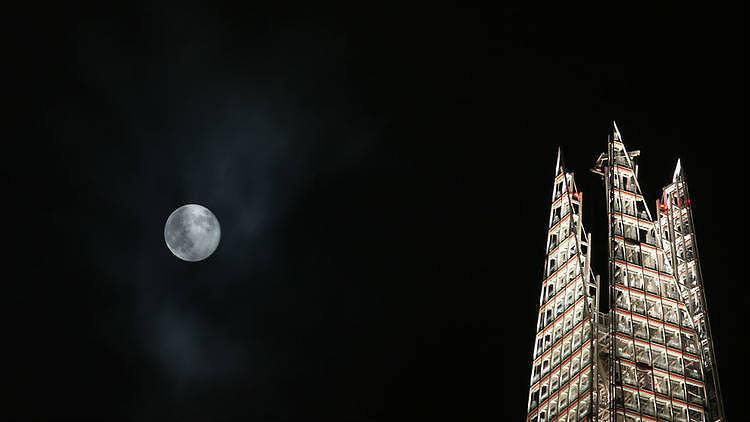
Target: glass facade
[[650, 356], [677, 232], [562, 370], [655, 359]]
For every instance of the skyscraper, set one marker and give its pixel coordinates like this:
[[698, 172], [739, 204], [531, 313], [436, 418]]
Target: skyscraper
[[649, 354]]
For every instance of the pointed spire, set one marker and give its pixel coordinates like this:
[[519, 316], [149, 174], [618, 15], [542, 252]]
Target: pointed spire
[[559, 166], [617, 136], [677, 172]]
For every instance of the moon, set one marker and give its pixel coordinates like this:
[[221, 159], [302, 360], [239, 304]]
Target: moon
[[192, 232]]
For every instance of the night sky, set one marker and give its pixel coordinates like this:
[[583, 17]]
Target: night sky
[[382, 177]]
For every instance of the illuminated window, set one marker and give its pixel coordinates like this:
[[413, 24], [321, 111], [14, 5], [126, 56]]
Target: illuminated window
[[675, 363], [659, 358], [677, 388], [639, 304], [631, 400], [624, 348], [656, 332], [628, 374], [694, 393], [688, 341], [654, 309], [642, 354], [670, 313], [635, 280], [647, 404], [692, 368], [639, 328]]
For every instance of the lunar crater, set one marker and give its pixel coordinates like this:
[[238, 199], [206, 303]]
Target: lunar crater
[[192, 232]]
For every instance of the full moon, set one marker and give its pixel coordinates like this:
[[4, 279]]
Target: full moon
[[192, 232]]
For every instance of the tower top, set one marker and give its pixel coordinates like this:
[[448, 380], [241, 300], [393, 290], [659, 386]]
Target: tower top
[[559, 163], [617, 136], [677, 172]]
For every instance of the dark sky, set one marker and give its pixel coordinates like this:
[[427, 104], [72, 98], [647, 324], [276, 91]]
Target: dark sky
[[382, 177]]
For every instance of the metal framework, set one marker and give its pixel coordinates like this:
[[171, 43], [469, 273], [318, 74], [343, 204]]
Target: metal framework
[[650, 356]]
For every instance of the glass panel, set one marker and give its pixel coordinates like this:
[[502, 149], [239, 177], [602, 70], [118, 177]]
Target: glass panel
[[585, 356], [565, 373], [573, 392], [628, 374], [647, 404], [631, 254], [671, 338], [678, 389], [656, 332], [587, 330], [556, 356], [576, 338], [675, 363], [654, 309], [663, 409], [559, 306], [639, 304], [630, 232], [642, 354], [661, 384], [670, 289], [694, 394], [619, 271], [680, 413], [583, 407], [649, 261], [585, 380], [578, 313], [695, 415], [631, 400], [544, 390], [688, 342], [552, 409], [554, 382], [692, 368], [635, 280], [534, 399], [651, 285], [644, 379], [659, 358], [563, 401], [623, 324], [670, 313], [639, 328], [558, 331], [575, 363], [625, 348]]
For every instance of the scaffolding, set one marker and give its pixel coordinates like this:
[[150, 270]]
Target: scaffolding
[[650, 356]]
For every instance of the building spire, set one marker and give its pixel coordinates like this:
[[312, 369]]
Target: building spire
[[616, 131], [677, 172], [559, 165]]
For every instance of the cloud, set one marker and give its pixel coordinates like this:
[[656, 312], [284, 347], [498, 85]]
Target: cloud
[[188, 346]]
